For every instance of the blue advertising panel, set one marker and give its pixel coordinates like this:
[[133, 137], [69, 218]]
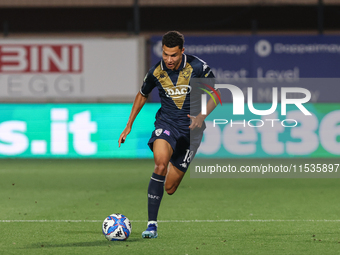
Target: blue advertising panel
[[304, 56], [268, 59]]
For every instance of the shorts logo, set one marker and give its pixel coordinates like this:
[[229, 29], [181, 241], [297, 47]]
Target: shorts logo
[[184, 165], [158, 132], [167, 132]]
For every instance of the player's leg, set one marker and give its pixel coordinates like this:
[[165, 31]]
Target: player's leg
[[179, 163], [173, 179], [162, 151]]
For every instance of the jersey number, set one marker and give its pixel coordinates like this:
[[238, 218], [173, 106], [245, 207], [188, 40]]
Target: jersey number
[[188, 156]]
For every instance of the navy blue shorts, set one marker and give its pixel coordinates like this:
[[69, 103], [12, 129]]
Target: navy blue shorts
[[183, 151]]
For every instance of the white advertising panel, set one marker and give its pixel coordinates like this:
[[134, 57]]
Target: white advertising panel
[[89, 69]]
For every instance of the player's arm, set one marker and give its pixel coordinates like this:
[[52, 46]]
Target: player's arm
[[141, 97], [136, 107], [197, 121]]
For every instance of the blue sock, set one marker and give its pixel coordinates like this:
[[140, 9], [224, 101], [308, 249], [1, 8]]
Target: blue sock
[[155, 194]]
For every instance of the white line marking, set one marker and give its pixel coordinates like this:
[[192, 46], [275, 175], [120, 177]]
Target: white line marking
[[168, 221]]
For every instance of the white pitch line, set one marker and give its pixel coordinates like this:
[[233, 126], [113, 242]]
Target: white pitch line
[[168, 221]]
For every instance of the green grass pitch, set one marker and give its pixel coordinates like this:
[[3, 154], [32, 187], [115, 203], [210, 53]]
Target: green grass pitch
[[57, 207]]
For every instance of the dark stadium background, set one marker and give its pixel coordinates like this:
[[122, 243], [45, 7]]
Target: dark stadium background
[[54, 201], [262, 16]]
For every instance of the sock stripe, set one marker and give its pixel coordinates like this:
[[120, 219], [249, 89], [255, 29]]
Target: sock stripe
[[156, 179]]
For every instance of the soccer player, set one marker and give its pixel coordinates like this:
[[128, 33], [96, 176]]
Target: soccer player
[[170, 142]]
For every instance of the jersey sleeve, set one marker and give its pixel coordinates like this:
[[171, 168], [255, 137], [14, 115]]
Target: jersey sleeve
[[148, 83], [203, 70], [207, 72]]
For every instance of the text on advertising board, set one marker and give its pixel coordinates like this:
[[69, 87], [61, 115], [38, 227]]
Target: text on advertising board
[[43, 58]]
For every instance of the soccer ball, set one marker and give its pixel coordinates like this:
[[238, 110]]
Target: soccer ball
[[116, 227]]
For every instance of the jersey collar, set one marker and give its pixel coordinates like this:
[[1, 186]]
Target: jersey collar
[[181, 66]]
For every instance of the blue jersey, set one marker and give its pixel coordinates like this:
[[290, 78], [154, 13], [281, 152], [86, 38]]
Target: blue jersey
[[174, 88]]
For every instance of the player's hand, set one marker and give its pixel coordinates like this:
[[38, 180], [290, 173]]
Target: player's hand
[[196, 121], [123, 135]]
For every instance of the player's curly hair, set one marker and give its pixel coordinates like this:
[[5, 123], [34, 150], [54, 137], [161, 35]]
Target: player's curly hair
[[172, 39]]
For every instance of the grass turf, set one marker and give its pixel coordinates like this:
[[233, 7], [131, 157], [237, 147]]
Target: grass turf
[[267, 216]]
